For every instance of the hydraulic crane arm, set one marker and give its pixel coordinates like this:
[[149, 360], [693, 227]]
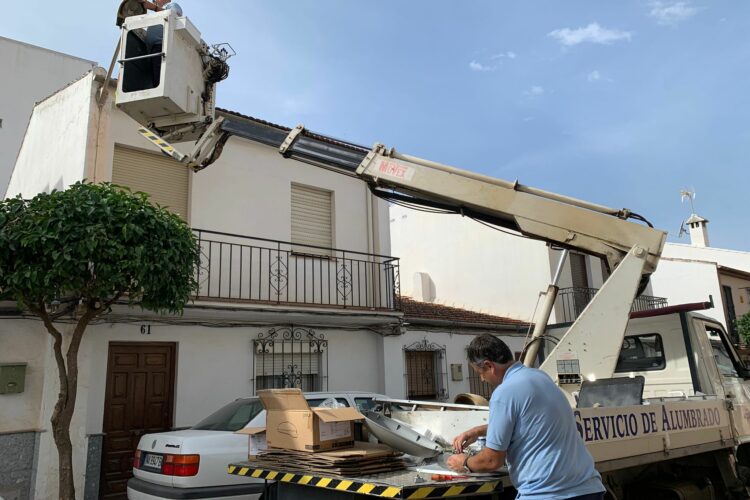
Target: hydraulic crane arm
[[556, 219]]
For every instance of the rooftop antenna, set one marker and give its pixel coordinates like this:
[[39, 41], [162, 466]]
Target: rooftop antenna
[[686, 194]]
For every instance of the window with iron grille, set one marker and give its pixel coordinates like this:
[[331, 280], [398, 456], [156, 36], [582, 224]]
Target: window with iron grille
[[290, 357], [479, 387], [426, 371]]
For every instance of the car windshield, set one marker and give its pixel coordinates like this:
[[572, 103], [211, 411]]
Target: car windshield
[[232, 417]]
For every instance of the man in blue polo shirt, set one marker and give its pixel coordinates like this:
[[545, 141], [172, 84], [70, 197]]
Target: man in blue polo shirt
[[531, 427]]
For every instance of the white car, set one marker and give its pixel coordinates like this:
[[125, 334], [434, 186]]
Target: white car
[[192, 463]]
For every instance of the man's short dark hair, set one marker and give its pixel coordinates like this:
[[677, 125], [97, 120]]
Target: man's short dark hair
[[490, 348]]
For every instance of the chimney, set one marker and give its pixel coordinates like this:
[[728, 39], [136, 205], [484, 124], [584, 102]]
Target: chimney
[[424, 288], [698, 231]]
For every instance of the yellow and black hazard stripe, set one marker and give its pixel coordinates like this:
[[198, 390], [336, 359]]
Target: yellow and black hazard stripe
[[160, 143], [364, 488]]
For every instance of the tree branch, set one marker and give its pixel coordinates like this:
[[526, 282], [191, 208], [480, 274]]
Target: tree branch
[[109, 303]]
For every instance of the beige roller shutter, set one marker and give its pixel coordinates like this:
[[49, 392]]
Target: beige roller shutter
[[166, 180], [312, 211]]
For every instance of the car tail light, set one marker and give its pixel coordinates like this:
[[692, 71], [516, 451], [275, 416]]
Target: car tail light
[[137, 459], [181, 465]]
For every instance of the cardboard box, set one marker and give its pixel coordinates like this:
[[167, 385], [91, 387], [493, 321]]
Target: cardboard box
[[256, 440], [291, 423]]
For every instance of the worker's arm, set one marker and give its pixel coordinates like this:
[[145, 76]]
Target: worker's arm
[[487, 460], [150, 6], [468, 437]]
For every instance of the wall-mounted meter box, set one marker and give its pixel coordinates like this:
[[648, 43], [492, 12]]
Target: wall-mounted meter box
[[457, 372], [12, 377], [161, 77]]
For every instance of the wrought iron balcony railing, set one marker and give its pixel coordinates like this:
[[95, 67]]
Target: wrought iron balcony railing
[[258, 270], [572, 301]]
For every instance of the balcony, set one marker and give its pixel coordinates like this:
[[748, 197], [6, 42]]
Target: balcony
[[243, 269], [572, 301]]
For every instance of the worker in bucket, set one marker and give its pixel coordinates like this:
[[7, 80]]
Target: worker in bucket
[[531, 427], [129, 8]]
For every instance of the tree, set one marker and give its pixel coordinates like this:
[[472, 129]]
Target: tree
[[75, 253], [743, 327]]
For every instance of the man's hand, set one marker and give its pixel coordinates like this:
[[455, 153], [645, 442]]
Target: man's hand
[[456, 462], [464, 439]]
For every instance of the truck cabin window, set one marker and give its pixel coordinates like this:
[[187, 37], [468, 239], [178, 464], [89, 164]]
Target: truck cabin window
[[641, 353], [721, 354]]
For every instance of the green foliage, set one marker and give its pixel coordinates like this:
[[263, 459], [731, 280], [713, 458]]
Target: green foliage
[[95, 242], [743, 327]]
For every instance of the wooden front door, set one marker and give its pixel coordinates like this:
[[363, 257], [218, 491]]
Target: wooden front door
[[139, 400]]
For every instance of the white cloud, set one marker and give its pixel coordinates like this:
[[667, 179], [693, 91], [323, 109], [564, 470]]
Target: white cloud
[[510, 55], [534, 91], [593, 33], [672, 13], [595, 76], [477, 66]]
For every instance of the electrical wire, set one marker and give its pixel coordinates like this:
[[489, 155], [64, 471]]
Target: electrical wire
[[443, 211], [640, 218], [505, 231]]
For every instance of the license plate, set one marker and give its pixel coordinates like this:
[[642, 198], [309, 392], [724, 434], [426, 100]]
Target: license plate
[[153, 461]]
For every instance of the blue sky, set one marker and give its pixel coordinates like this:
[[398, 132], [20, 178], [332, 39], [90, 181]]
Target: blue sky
[[620, 103]]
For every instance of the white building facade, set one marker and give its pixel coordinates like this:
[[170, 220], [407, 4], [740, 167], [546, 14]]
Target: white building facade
[[31, 74]]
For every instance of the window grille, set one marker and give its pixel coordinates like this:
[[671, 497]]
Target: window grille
[[290, 357], [426, 371], [477, 386]]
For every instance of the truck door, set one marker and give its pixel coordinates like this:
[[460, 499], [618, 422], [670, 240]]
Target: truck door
[[732, 372], [654, 348]]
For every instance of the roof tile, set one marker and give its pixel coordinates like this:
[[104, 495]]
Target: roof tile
[[427, 310]]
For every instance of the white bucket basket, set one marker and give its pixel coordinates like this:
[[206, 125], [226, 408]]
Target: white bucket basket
[[164, 87]]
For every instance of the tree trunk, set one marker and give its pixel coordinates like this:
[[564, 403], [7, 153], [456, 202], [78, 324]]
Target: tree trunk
[[61, 433]]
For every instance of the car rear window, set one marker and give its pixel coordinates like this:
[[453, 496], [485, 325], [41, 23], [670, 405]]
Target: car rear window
[[314, 403], [365, 404], [232, 417]]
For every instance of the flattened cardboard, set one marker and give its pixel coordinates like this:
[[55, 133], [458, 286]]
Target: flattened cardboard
[[292, 424], [362, 459]]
